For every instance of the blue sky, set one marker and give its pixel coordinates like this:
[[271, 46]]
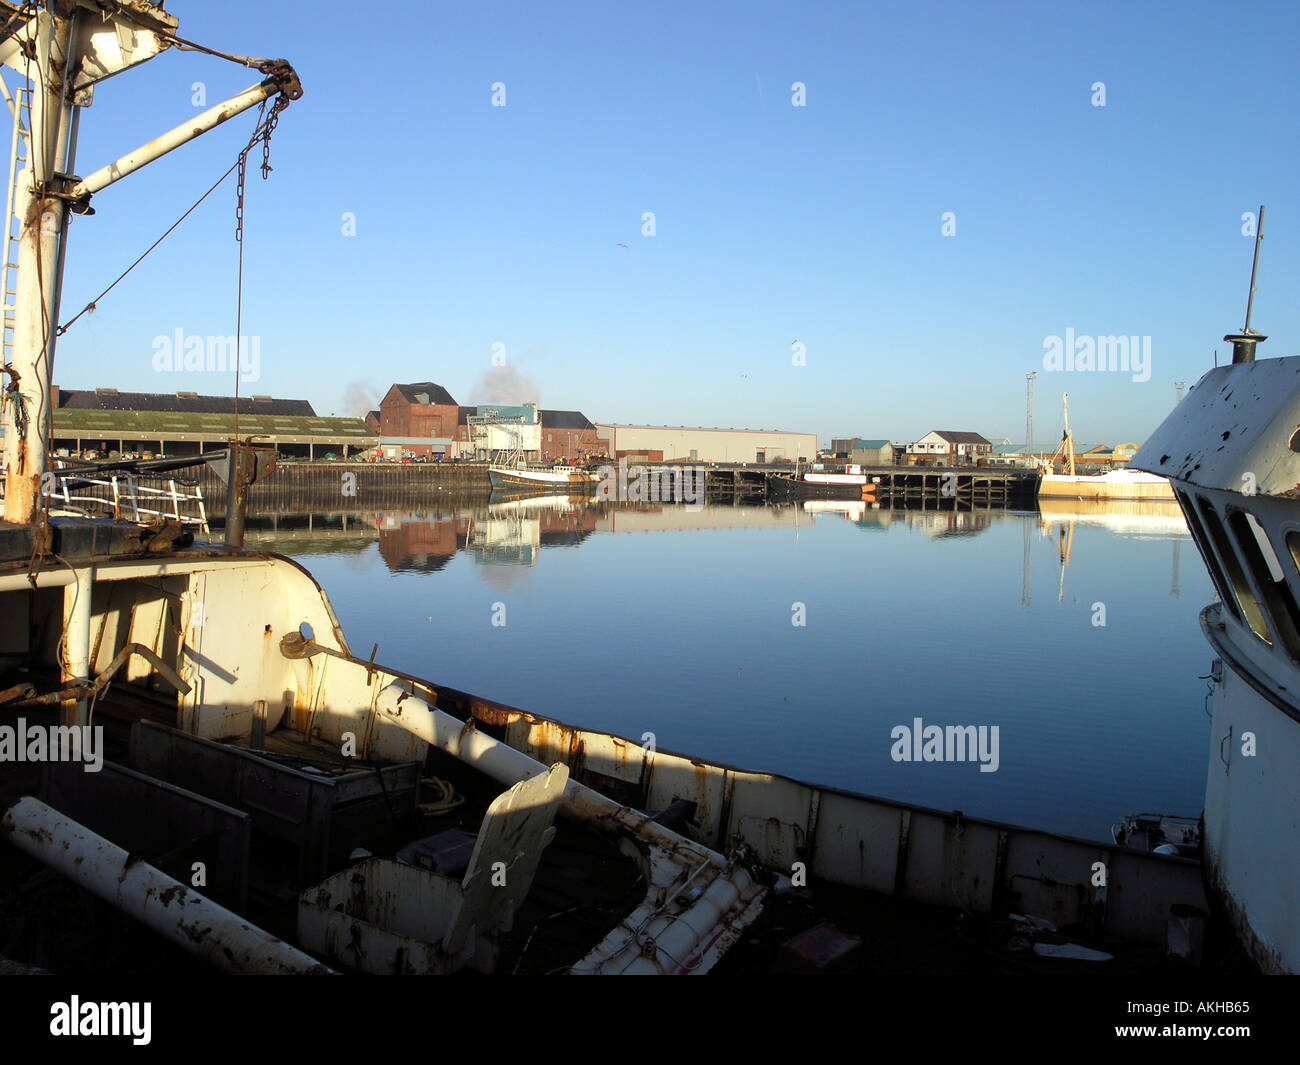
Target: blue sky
[[479, 225]]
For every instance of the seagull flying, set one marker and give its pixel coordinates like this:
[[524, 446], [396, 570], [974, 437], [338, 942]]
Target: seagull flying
[[620, 245]]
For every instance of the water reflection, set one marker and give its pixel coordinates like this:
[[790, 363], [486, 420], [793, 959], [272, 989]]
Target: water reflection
[[1132, 519], [689, 634], [513, 530]]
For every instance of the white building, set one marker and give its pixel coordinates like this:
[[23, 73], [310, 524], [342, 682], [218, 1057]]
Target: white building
[[954, 448], [496, 428], [687, 444]]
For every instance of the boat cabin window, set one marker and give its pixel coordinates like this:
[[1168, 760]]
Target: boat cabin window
[[1269, 579], [1207, 552], [1250, 608]]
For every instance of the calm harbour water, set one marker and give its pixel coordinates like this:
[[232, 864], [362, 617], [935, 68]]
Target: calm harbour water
[[676, 622]]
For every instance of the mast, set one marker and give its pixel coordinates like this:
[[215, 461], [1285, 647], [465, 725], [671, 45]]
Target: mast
[[42, 219], [1067, 441], [66, 48], [1243, 343]]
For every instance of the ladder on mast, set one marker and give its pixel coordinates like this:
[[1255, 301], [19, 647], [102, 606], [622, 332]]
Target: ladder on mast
[[20, 103]]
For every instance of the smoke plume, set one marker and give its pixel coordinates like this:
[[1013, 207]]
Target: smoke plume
[[360, 398], [505, 385]]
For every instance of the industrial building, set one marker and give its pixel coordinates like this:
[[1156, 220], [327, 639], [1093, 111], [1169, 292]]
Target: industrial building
[[863, 452], [568, 435], [109, 424], [683, 444], [423, 420]]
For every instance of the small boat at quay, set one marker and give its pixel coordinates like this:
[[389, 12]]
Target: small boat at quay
[[1114, 486], [850, 483]]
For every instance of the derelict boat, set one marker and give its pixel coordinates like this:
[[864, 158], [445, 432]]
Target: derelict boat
[[267, 800]]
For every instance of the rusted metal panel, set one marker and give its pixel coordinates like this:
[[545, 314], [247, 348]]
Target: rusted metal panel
[[951, 861], [857, 843]]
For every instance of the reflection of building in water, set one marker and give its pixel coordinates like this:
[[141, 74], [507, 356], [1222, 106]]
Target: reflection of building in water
[[942, 524], [420, 541], [651, 518], [504, 539], [513, 531]]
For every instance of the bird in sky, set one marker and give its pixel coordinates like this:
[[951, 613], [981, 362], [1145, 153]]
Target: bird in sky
[[621, 245]]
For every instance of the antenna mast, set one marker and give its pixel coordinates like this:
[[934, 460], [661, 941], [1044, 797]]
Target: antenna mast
[[1029, 417], [1243, 343]]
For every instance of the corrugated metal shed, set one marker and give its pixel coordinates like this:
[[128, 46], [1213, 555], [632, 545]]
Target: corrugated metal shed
[[110, 399], [175, 425]]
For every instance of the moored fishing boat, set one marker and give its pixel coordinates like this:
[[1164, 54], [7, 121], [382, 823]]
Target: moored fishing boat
[[849, 483], [524, 478], [1113, 486]]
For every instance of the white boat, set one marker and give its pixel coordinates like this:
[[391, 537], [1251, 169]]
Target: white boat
[[541, 478], [1116, 485], [1230, 452]]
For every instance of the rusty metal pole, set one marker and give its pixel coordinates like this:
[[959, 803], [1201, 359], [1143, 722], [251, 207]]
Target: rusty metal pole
[[236, 497], [42, 223]]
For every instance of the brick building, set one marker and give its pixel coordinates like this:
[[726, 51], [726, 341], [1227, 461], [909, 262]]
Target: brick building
[[567, 434], [417, 412]]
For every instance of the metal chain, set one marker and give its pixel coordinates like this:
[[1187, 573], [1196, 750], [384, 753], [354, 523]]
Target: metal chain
[[239, 198], [265, 127]]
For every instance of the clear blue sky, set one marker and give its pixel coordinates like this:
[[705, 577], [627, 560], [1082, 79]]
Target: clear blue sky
[[478, 225]]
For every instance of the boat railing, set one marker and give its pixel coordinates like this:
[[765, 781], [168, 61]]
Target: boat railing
[[80, 489], [130, 496]]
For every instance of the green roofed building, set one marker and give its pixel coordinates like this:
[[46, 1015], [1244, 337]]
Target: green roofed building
[[112, 423], [872, 453]]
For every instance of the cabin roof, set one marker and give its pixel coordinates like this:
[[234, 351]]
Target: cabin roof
[[1233, 430]]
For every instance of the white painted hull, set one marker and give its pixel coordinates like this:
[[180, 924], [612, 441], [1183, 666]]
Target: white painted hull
[[504, 477], [1121, 485], [1251, 810]]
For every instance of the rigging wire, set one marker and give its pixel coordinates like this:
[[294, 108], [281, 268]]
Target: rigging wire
[[92, 305], [262, 127]]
